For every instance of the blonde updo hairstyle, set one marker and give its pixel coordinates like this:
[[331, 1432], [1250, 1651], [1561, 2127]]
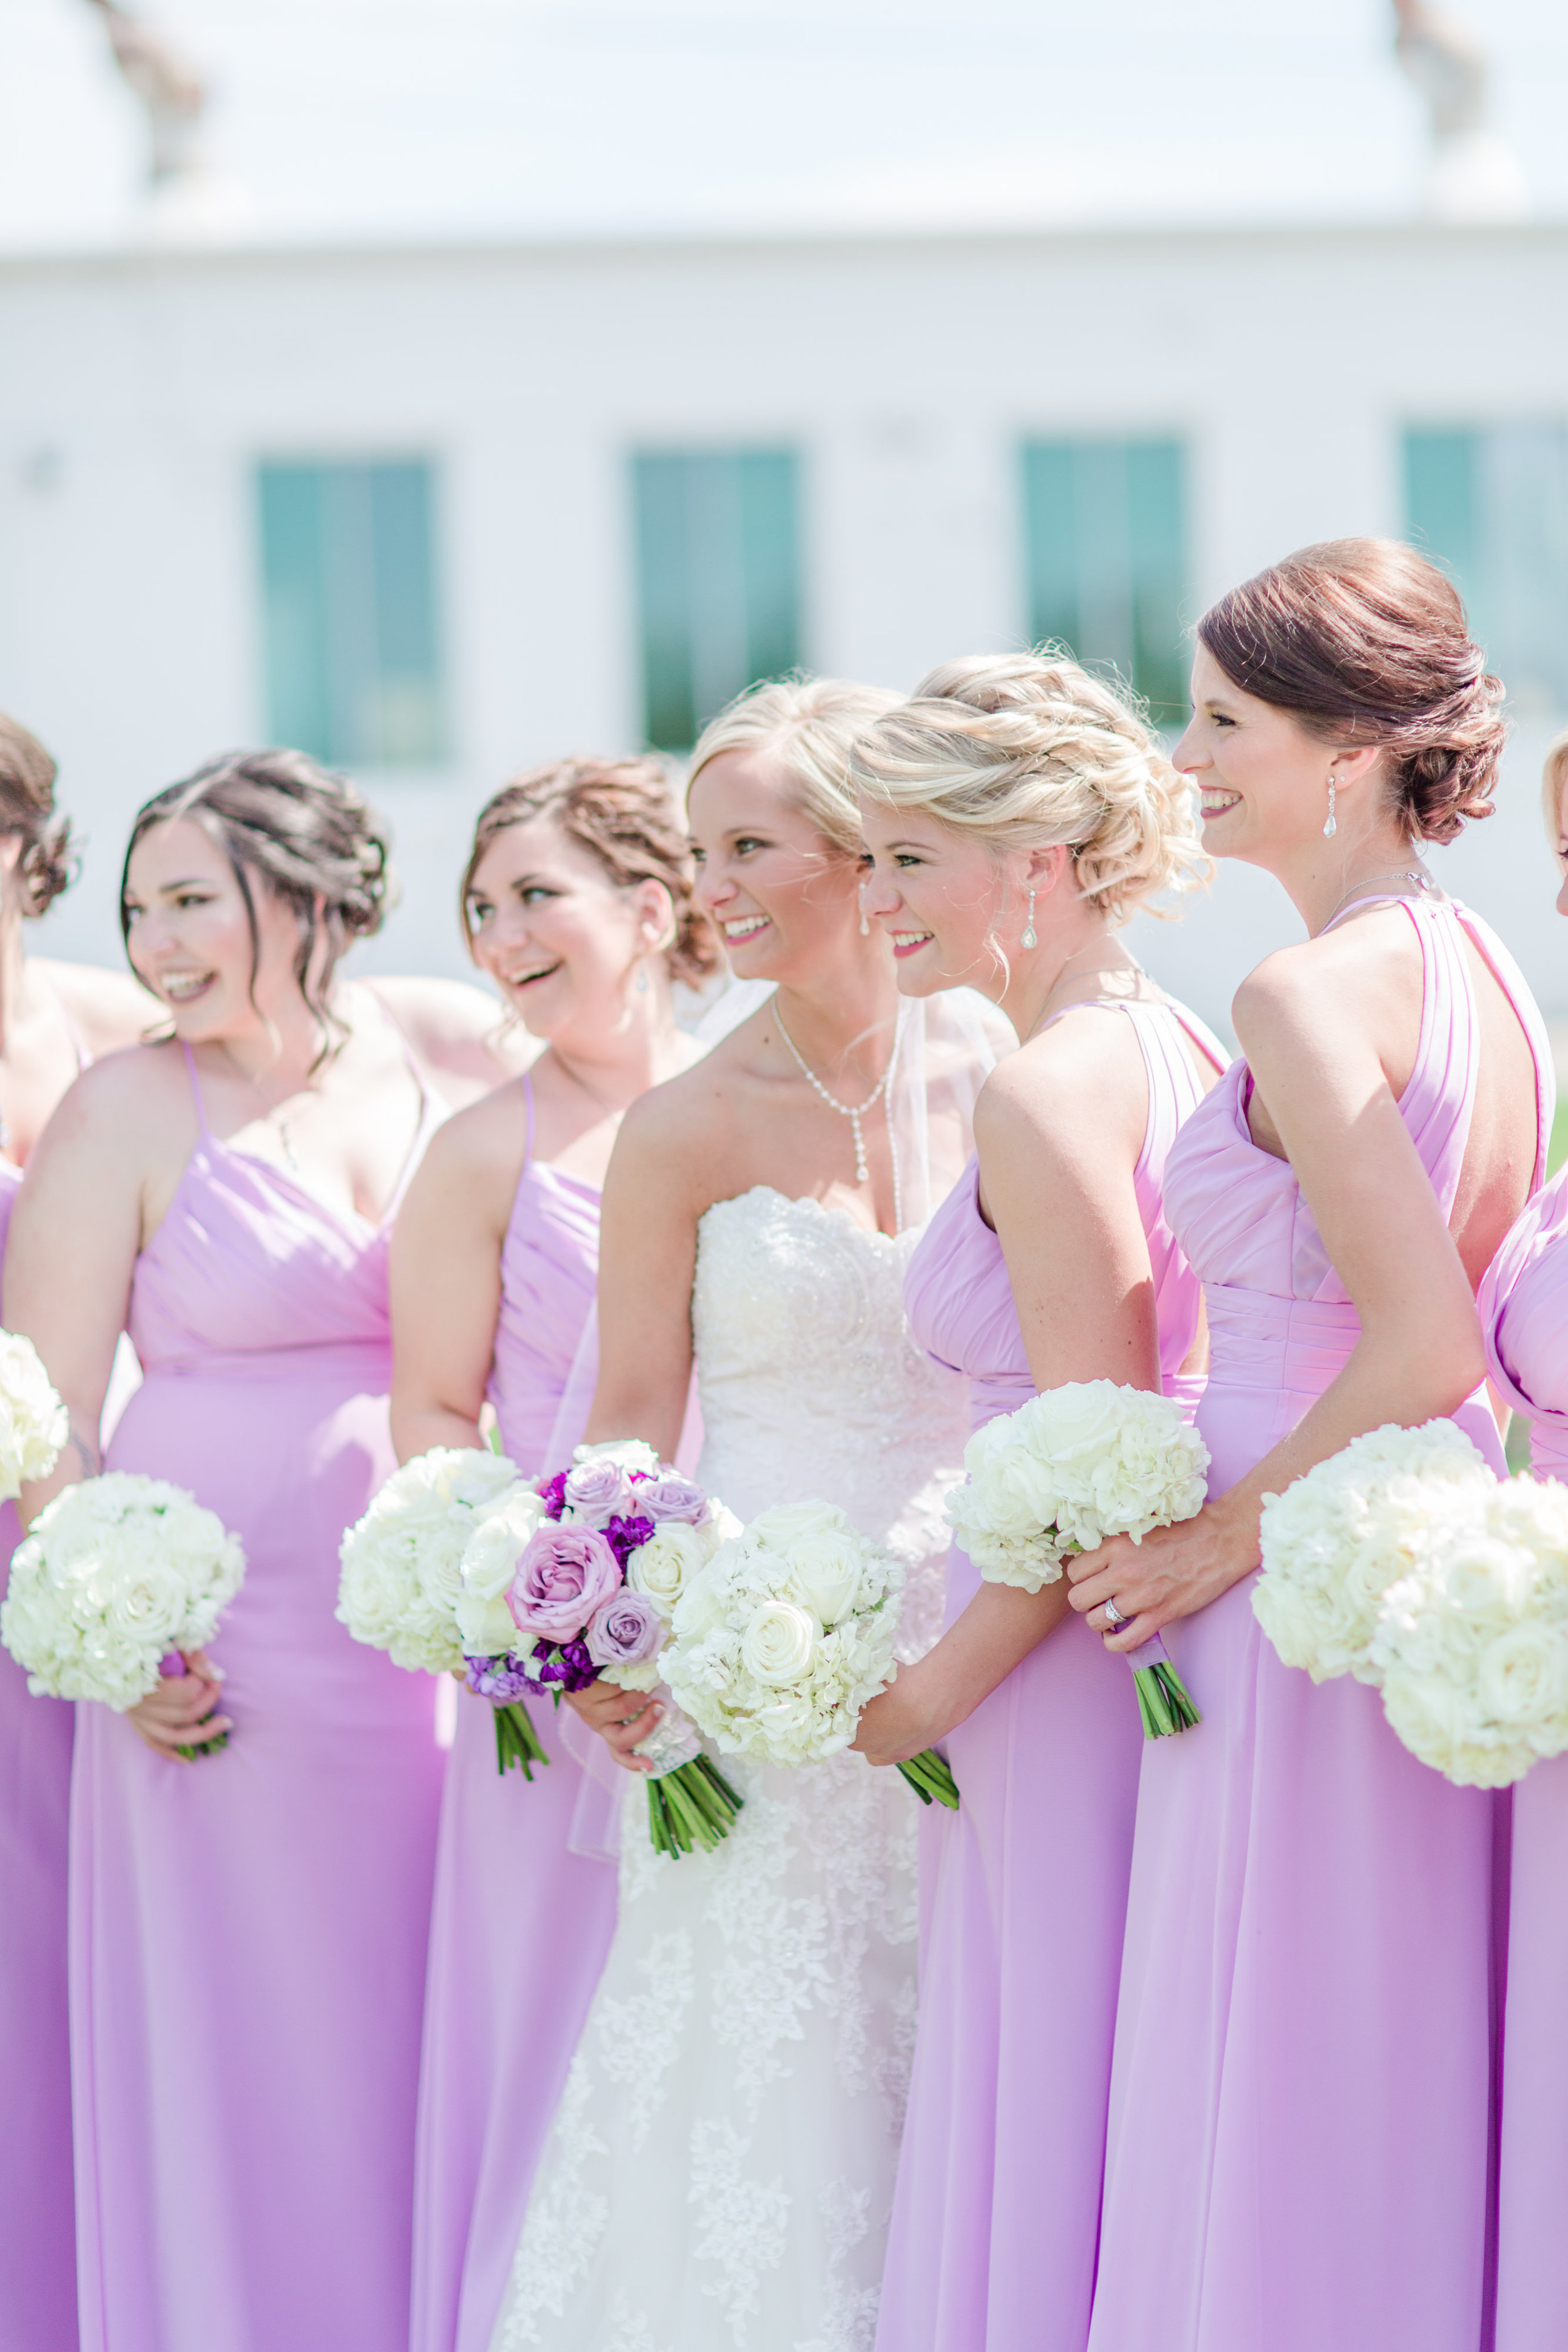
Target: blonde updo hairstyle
[[1028, 751], [809, 726]]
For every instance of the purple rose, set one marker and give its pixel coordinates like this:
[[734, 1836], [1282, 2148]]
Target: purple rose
[[671, 1496], [625, 1631], [563, 1576], [596, 1490]]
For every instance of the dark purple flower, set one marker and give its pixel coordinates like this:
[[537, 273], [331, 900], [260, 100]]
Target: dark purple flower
[[626, 1630], [671, 1496], [568, 1665], [626, 1536], [564, 1574], [501, 1680], [552, 1493]]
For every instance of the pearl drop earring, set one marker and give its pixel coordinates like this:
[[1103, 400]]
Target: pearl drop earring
[[1029, 939], [865, 925], [1330, 823], [642, 979]]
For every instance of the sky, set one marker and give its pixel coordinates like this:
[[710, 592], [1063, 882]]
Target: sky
[[351, 120]]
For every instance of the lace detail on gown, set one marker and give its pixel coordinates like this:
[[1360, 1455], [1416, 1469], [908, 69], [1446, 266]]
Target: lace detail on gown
[[720, 2175]]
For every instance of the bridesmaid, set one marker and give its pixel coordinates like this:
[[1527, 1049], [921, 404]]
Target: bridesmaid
[[54, 1017], [248, 1933], [577, 903], [1523, 1316], [1018, 812], [1298, 2143]]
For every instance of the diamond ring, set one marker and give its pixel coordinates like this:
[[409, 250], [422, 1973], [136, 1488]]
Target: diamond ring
[[1113, 1616]]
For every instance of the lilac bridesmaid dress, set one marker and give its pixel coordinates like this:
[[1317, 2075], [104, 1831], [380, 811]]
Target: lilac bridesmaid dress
[[1297, 2156], [1524, 1314], [37, 2230], [248, 1933], [1024, 1890], [521, 1923]]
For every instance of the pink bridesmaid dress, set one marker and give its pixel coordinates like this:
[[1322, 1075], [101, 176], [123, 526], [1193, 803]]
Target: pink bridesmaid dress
[[521, 1923], [1297, 2156], [1524, 1314], [248, 1932], [38, 2228], [1024, 1890]]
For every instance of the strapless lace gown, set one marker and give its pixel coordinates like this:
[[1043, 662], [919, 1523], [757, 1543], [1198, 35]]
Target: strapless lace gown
[[720, 2175]]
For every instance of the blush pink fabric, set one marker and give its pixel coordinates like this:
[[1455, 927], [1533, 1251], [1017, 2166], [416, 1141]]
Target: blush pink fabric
[[248, 1933], [1524, 1315], [37, 2225], [521, 1924], [1301, 2096], [1024, 1889]]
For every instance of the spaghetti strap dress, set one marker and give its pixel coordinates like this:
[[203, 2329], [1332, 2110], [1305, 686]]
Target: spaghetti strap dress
[[521, 1923], [1524, 1305], [248, 1932], [1024, 1890], [1300, 2144]]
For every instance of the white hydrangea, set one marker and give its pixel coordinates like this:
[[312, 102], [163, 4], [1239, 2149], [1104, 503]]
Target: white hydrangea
[[1335, 1542], [33, 1423], [117, 1572], [781, 1639], [402, 1582], [1071, 1467]]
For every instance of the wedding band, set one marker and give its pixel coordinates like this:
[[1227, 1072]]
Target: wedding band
[[1113, 1616]]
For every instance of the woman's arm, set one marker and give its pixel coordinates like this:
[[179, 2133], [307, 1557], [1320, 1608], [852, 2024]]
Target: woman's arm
[[446, 1276], [648, 1261], [1059, 1129], [1318, 1067]]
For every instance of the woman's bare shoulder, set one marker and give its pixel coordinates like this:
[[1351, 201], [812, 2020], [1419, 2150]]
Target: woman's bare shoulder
[[481, 1147], [128, 1102]]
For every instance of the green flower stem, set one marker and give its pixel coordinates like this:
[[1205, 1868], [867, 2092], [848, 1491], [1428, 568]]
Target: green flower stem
[[693, 1805], [517, 1742], [209, 1748], [1162, 1701], [928, 1776]]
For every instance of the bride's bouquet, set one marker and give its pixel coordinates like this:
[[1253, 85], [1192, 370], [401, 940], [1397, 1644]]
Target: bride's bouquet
[[587, 1567], [1069, 1469], [786, 1635], [1404, 1562], [33, 1423], [118, 1576]]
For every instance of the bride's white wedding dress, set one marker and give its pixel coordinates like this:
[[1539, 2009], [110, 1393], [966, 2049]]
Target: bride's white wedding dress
[[721, 2170]]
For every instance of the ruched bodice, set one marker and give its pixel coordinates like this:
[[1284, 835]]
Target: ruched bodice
[[1524, 1304], [549, 1265], [957, 1292]]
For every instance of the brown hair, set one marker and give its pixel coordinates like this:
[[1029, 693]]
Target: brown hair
[[45, 867], [1367, 642], [305, 831], [625, 812], [1553, 780]]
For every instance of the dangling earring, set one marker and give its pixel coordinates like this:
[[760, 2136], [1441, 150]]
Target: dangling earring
[[642, 979], [1331, 826], [1030, 940], [865, 925]]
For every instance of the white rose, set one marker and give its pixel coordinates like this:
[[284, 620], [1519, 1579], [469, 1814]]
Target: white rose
[[785, 1523], [627, 1453], [827, 1569], [704, 1604], [777, 1645], [1520, 1678], [491, 1553], [485, 1625], [665, 1565]]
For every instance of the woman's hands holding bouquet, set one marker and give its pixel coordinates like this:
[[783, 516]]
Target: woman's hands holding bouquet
[[622, 1718], [181, 1711], [1172, 1572]]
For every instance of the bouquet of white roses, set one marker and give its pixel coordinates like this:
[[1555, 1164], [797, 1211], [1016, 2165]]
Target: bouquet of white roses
[[118, 1575], [1335, 1541], [574, 1580], [33, 1423], [401, 1583], [783, 1637], [1070, 1469]]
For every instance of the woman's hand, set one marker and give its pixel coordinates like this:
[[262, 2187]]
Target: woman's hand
[[1174, 1572], [902, 1721], [181, 1711], [621, 1718]]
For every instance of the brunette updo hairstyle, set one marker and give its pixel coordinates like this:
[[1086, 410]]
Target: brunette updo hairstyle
[[625, 813], [1553, 780], [1365, 641], [1030, 751], [305, 833], [808, 725], [45, 867]]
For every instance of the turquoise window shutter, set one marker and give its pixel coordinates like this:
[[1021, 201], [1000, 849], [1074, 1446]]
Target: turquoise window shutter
[[718, 579], [351, 629], [1105, 559], [1490, 503]]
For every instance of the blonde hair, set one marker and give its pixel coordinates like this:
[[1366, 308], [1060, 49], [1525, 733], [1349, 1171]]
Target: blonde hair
[[1553, 777], [809, 725], [1029, 752]]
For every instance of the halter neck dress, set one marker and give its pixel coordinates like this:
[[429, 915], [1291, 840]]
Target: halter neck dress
[[1298, 2154], [38, 2219], [248, 1933], [521, 1924], [1024, 1890], [1524, 1305]]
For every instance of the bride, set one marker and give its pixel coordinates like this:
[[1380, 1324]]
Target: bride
[[720, 2169]]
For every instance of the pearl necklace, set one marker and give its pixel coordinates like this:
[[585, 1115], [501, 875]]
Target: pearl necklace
[[853, 1112]]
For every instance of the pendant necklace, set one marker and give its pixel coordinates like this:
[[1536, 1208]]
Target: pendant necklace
[[853, 1112]]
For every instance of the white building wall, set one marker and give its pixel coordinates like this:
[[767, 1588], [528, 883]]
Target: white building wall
[[139, 389]]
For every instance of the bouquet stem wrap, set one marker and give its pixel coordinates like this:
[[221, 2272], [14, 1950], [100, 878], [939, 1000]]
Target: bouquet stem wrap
[[1163, 1697]]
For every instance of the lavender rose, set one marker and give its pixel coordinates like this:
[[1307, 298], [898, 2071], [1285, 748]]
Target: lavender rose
[[596, 1491], [625, 1631], [671, 1496], [564, 1574]]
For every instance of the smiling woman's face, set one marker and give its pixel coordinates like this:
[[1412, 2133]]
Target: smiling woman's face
[[189, 936], [1262, 778], [940, 895], [555, 932], [778, 892]]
